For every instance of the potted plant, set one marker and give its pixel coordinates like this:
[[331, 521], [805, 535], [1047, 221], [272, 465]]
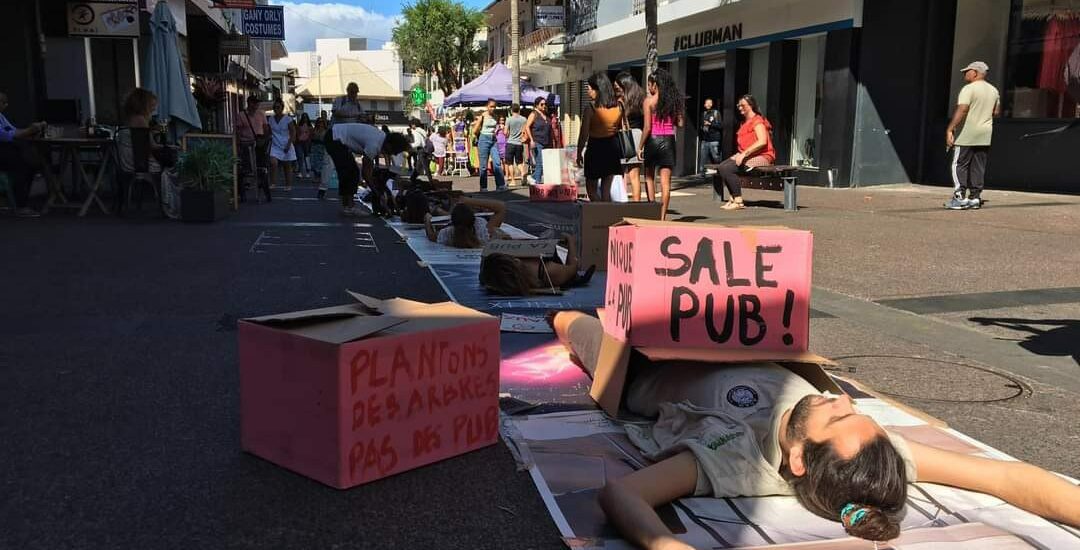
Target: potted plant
[[206, 173]]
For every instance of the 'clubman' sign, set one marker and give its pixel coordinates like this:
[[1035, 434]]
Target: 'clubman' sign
[[710, 37]]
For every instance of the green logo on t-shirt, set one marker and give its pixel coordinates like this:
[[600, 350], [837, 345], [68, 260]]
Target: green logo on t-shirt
[[722, 440]]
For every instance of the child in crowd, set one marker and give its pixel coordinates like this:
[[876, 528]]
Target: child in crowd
[[438, 142], [317, 157]]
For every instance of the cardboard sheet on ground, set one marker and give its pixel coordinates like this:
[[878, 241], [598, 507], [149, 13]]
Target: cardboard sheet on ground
[[569, 455]]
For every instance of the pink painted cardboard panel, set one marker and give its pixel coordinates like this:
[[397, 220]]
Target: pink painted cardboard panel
[[352, 413], [711, 287], [416, 399], [549, 192]]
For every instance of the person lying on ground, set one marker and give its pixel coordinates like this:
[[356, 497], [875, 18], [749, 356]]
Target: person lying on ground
[[510, 276], [759, 429], [466, 229], [344, 140]]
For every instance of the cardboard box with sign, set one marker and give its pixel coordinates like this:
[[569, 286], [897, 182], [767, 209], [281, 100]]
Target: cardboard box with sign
[[712, 294], [350, 394], [595, 218], [553, 192]]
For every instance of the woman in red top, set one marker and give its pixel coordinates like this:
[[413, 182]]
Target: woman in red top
[[755, 149]]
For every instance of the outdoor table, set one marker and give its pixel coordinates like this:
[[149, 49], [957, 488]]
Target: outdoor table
[[70, 149]]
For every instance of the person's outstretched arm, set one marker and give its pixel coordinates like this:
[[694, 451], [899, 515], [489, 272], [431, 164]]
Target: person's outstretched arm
[[629, 502], [1021, 484], [497, 208], [430, 229]]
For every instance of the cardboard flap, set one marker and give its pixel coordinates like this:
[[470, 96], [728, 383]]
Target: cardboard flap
[[333, 325], [531, 248], [372, 305]]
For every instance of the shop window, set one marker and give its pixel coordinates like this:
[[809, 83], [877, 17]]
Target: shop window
[[809, 85], [1043, 66]]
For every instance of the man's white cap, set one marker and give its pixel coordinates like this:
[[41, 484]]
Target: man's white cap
[[976, 66]]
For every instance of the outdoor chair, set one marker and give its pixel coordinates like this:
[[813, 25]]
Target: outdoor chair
[[461, 159], [140, 170]]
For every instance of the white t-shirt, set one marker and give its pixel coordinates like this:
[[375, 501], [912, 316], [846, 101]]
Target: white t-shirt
[[439, 144], [446, 234], [419, 138], [360, 138], [729, 417]]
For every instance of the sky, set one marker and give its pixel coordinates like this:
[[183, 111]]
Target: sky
[[374, 19]]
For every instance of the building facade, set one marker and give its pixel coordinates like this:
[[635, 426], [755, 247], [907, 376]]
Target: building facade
[[859, 92]]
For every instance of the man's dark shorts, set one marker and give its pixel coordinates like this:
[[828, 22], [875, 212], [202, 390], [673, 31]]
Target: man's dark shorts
[[515, 153]]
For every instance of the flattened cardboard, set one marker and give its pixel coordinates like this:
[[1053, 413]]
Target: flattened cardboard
[[609, 378], [522, 248], [333, 325], [709, 286], [347, 412], [593, 221]]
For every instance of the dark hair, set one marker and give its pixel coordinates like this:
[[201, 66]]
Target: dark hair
[[490, 100], [416, 206], [874, 480], [670, 102], [463, 220], [633, 94], [515, 108], [279, 101], [385, 129], [538, 101], [254, 98], [304, 119], [395, 143], [138, 102], [504, 275], [749, 99], [605, 94]]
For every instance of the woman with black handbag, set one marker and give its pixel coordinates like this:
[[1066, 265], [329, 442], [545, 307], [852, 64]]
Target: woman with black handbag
[[601, 123]]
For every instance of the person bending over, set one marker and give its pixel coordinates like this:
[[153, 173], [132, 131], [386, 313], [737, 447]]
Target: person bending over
[[510, 276], [466, 229], [759, 429], [344, 140]]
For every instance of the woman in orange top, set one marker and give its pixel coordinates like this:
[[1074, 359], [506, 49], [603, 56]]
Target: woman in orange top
[[754, 140], [601, 119]]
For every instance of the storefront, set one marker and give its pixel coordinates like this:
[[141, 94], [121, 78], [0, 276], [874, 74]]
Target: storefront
[[859, 93]]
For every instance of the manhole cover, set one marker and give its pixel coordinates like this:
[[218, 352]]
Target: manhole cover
[[930, 379]]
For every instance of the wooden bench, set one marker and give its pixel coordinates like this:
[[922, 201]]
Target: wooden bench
[[772, 178]]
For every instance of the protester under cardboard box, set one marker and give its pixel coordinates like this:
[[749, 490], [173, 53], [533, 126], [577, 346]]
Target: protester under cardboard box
[[507, 275], [759, 429], [466, 229]]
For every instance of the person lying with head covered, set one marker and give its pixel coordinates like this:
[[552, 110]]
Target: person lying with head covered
[[759, 429]]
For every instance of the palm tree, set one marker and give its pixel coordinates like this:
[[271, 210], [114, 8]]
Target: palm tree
[[651, 56]]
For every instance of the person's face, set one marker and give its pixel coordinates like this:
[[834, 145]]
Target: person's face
[[542, 107], [744, 108], [591, 91], [278, 109], [502, 120], [832, 420], [708, 104], [618, 89], [253, 104], [3, 102], [352, 90], [970, 75], [491, 107]]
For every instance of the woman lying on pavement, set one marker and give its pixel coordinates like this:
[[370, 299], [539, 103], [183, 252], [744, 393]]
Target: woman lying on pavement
[[758, 429], [466, 229], [510, 276]]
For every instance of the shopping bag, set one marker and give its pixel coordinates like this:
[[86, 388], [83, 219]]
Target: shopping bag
[[618, 190]]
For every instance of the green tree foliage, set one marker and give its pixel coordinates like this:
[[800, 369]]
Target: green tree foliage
[[435, 37]]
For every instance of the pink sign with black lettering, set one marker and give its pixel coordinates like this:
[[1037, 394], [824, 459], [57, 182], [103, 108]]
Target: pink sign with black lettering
[[347, 397], [688, 285]]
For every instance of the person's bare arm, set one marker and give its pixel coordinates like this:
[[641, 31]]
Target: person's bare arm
[[646, 130], [432, 235], [957, 119], [583, 133], [1018, 483], [526, 132], [762, 139], [477, 125], [30, 131], [997, 108], [497, 208], [629, 502], [292, 136]]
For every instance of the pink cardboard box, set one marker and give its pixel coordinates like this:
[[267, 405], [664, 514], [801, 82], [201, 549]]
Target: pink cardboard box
[[699, 286], [553, 193], [350, 394]]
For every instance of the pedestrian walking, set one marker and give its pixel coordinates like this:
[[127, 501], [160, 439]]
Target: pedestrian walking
[[754, 141], [600, 121], [978, 104], [711, 134], [347, 109], [484, 130], [251, 130], [515, 149], [304, 129], [501, 139], [632, 98], [663, 112], [538, 134], [282, 137], [418, 154], [317, 158]]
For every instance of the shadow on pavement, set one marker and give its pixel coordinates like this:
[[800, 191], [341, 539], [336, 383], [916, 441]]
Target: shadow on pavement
[[1059, 338]]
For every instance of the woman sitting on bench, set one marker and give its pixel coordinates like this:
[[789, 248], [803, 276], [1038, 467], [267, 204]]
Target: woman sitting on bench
[[754, 140]]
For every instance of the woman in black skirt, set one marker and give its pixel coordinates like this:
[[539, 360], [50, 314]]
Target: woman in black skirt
[[600, 123]]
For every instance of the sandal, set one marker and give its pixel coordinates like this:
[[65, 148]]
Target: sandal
[[732, 205]]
